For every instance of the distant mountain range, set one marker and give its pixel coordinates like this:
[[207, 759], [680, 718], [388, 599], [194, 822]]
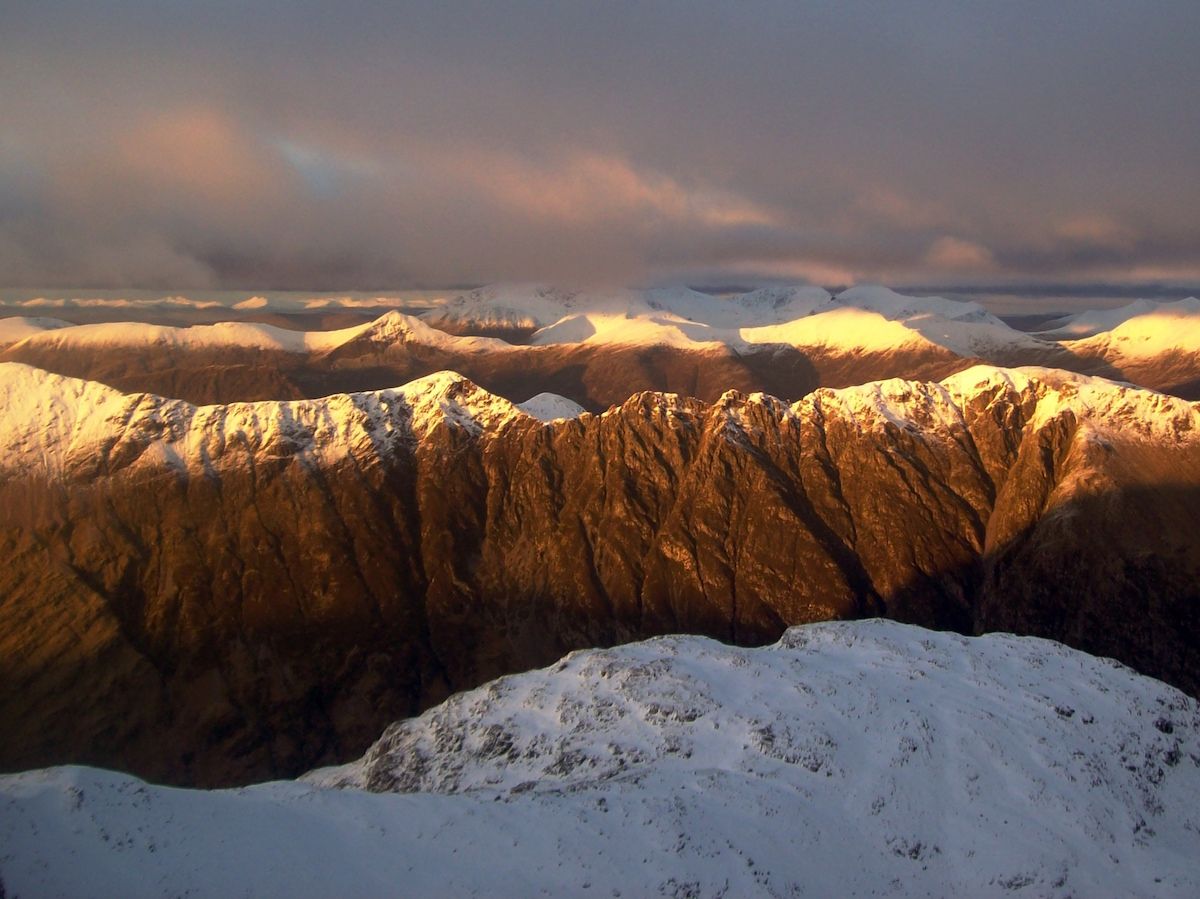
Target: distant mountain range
[[598, 348]]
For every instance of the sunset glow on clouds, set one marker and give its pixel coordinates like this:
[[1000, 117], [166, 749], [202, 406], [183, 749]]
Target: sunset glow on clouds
[[591, 187], [252, 145]]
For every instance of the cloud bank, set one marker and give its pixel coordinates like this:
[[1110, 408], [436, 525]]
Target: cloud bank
[[374, 145]]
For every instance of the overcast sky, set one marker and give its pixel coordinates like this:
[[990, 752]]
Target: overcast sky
[[353, 145]]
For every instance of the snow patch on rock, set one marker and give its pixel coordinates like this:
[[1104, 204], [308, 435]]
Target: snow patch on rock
[[394, 328]]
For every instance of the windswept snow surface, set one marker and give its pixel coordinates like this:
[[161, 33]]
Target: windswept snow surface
[[865, 758]]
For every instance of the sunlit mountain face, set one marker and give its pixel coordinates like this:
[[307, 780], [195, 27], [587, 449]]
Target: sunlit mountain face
[[646, 449]]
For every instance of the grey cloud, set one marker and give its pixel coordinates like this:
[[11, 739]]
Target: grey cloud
[[317, 145]]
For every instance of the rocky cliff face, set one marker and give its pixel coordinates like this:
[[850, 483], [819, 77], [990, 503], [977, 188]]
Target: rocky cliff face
[[210, 595]]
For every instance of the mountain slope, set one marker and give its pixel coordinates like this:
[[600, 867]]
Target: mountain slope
[[1091, 322], [212, 594], [1157, 345], [848, 759], [17, 328]]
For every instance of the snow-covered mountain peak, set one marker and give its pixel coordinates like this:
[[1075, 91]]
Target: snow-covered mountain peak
[[394, 327], [965, 328], [655, 404], [924, 408], [550, 407], [525, 306], [840, 329], [395, 324], [44, 417], [626, 329], [895, 305], [736, 399], [1092, 322], [795, 299], [447, 397], [870, 317], [765, 306], [1156, 330], [691, 703], [738, 414], [1100, 405], [58, 425]]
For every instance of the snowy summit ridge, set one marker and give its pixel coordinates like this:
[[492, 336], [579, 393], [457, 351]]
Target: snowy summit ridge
[[848, 759], [56, 424]]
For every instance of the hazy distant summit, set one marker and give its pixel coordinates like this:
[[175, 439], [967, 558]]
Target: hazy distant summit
[[597, 347]]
